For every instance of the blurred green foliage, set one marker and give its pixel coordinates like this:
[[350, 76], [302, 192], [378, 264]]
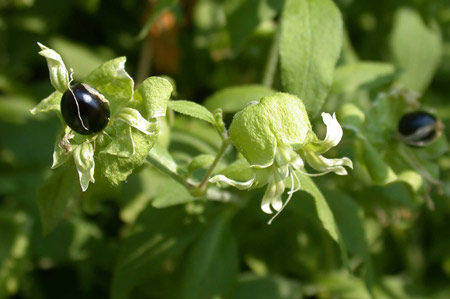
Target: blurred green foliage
[[150, 238]]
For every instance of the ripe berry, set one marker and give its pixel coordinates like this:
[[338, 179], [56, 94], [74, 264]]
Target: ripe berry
[[419, 128], [84, 109]]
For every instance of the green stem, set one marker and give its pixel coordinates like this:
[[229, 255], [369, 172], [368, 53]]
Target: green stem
[[170, 173], [204, 183], [272, 59]]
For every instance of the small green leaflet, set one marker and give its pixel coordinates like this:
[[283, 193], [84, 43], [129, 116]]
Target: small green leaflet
[[192, 109]]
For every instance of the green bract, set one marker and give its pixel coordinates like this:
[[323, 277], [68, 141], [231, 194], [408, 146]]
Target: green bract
[[131, 132], [275, 137]]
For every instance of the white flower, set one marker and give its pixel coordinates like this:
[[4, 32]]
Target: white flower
[[276, 138]]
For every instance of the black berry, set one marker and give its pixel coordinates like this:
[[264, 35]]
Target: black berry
[[419, 128], [84, 109]]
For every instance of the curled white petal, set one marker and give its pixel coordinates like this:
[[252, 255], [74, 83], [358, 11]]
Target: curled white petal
[[223, 181], [324, 165], [334, 130]]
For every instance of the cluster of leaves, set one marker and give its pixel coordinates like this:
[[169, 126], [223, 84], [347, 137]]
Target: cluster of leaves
[[378, 232]]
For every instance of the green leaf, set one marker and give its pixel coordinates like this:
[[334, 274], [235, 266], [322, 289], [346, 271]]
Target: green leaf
[[212, 264], [416, 48], [161, 6], [233, 99], [54, 196], [348, 218], [59, 76], [157, 236], [112, 81], [244, 16], [192, 109], [379, 170], [311, 41], [351, 117], [154, 94], [362, 75], [50, 103], [162, 156], [323, 210]]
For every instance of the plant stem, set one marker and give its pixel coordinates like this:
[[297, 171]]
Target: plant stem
[[272, 59], [204, 183], [170, 172]]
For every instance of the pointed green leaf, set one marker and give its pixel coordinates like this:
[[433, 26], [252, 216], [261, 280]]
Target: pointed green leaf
[[192, 109], [212, 264], [379, 170], [417, 49], [348, 216], [157, 236], [362, 75], [233, 99], [55, 194], [323, 210], [311, 41]]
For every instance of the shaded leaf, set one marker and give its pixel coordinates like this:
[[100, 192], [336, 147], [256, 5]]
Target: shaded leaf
[[362, 75], [212, 264], [311, 41], [416, 48], [54, 196]]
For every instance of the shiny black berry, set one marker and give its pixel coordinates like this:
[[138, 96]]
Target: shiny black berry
[[419, 128], [84, 109]]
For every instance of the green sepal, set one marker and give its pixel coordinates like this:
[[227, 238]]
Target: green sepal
[[61, 152], [83, 156], [133, 118], [59, 76], [116, 168], [120, 141], [50, 103], [113, 82], [152, 96]]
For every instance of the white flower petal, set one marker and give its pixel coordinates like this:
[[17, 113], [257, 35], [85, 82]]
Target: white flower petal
[[334, 130], [268, 197], [325, 165], [223, 181]]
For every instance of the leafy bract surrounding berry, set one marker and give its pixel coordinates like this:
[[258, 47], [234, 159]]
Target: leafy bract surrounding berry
[[131, 132]]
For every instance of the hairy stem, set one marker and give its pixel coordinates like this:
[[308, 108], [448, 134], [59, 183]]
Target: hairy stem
[[204, 183]]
